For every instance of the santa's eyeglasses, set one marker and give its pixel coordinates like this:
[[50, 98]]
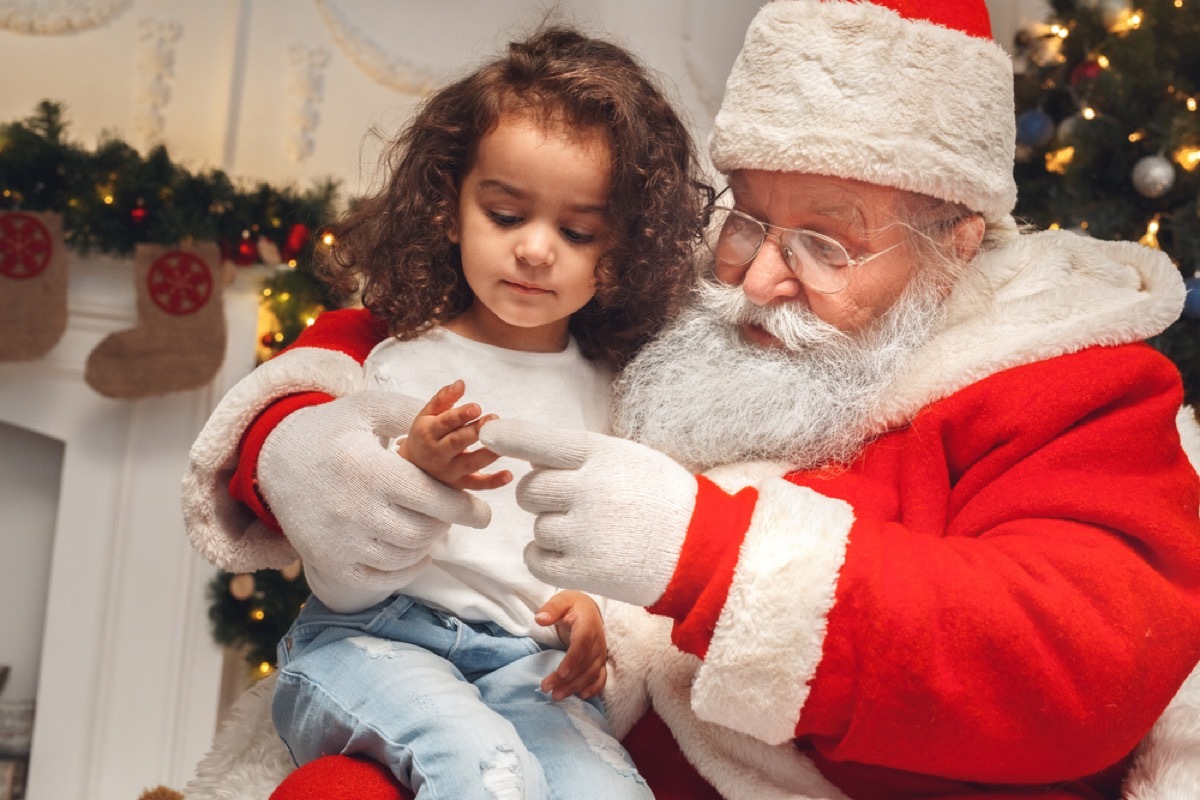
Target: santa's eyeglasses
[[820, 262]]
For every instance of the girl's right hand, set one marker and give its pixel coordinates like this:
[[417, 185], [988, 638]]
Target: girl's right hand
[[439, 437]]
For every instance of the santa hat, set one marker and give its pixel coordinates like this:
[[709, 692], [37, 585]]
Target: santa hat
[[912, 94]]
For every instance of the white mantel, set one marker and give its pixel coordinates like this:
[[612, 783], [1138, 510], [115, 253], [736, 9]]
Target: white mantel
[[128, 686]]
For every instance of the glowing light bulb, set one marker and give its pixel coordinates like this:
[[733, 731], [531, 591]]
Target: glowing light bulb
[[328, 239], [1088, 112], [1057, 161], [1188, 157], [1150, 239]]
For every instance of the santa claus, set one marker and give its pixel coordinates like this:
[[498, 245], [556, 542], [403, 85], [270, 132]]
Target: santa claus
[[902, 509]]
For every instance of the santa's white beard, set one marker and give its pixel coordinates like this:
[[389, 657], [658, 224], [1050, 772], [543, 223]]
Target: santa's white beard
[[704, 395]]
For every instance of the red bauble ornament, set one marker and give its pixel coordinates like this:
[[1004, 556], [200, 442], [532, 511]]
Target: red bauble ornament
[[268, 340], [138, 215], [297, 237], [246, 252], [1085, 71]]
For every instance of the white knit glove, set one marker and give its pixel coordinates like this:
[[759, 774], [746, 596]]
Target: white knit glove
[[360, 516], [611, 514]]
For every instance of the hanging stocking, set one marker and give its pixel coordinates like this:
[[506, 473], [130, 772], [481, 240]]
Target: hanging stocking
[[179, 340], [33, 284]]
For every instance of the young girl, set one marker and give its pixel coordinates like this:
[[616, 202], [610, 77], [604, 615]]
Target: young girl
[[535, 230]]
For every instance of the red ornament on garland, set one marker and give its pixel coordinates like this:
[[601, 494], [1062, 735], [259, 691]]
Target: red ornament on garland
[[297, 237], [246, 252], [138, 213]]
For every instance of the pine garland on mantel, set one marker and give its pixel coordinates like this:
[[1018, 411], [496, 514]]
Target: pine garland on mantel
[[113, 198]]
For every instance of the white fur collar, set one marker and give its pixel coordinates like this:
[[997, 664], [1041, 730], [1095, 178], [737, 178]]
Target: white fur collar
[[1035, 297]]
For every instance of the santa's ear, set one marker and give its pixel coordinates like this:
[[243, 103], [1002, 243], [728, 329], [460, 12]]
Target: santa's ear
[[967, 237]]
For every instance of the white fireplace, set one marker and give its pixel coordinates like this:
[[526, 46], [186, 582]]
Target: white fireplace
[[110, 608]]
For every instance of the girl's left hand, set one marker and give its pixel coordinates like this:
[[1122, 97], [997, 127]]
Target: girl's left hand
[[583, 670]]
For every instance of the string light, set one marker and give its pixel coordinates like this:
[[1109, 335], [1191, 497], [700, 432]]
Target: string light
[[1150, 239], [327, 239], [1188, 157], [1103, 62], [258, 615], [1191, 104], [1137, 136], [1088, 113], [265, 668], [1057, 161]]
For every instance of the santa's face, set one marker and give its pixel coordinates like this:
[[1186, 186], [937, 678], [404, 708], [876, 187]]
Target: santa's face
[[707, 393], [861, 217]]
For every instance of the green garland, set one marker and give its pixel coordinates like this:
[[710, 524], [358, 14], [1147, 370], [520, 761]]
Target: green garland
[[113, 198]]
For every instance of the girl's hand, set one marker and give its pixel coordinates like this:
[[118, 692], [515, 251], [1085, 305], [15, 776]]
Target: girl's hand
[[439, 437], [583, 671]]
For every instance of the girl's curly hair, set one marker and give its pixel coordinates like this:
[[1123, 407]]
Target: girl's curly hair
[[393, 247]]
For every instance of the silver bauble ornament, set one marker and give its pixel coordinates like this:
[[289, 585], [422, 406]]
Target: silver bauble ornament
[[1153, 176], [1113, 12]]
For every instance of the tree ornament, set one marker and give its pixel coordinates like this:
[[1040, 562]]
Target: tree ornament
[[138, 212], [1112, 12], [1153, 176], [179, 340], [1085, 71], [1035, 128], [241, 587], [33, 284], [291, 571], [1069, 128], [1191, 301], [297, 238], [246, 252]]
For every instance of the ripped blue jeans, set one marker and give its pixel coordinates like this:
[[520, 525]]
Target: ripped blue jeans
[[452, 708]]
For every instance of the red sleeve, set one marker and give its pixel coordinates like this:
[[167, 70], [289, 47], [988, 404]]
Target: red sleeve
[[353, 331], [243, 485], [696, 594]]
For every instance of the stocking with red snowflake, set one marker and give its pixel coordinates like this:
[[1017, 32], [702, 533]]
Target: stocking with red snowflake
[[179, 340], [33, 284]]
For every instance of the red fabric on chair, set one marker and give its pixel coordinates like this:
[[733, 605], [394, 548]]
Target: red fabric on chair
[[341, 778], [652, 747]]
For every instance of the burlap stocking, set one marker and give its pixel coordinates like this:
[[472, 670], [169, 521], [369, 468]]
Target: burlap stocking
[[33, 284], [179, 340]]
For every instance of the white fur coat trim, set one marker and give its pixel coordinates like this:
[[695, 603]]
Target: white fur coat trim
[[644, 665], [1035, 297], [220, 528], [856, 91], [755, 675]]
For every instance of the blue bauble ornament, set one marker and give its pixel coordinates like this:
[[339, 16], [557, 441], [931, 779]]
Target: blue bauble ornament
[[1035, 128], [1191, 301]]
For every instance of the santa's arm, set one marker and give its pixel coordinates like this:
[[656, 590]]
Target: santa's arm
[[1053, 617], [236, 531]]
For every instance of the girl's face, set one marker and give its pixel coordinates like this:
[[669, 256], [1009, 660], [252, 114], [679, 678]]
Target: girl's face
[[531, 226]]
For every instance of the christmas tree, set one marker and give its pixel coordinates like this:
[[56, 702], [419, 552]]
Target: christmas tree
[[1108, 136]]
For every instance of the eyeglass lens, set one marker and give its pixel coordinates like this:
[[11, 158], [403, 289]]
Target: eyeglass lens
[[817, 260]]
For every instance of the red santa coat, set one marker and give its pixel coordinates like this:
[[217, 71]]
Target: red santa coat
[[1003, 588]]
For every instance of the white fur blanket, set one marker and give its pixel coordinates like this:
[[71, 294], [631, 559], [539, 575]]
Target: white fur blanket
[[248, 759]]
